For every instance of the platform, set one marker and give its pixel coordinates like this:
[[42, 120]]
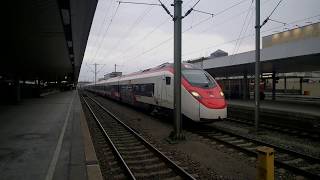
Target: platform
[[42, 139], [289, 114], [280, 106]]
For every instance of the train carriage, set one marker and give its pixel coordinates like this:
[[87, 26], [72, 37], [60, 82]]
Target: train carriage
[[202, 98]]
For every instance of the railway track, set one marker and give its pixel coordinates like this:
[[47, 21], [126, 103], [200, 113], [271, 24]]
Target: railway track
[[303, 133], [134, 157], [295, 162]]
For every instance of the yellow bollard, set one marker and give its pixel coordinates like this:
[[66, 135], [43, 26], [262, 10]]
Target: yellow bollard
[[265, 166]]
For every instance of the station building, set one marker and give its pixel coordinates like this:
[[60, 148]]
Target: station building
[[290, 66]]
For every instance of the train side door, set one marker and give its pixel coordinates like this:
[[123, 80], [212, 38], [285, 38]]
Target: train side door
[[167, 91], [158, 91]]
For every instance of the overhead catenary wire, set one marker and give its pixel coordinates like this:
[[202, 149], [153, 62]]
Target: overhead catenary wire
[[203, 12], [145, 37], [106, 32], [169, 39], [240, 34], [97, 44], [232, 17], [197, 24], [152, 31], [268, 18], [130, 29], [250, 35], [245, 31], [138, 3], [103, 22]]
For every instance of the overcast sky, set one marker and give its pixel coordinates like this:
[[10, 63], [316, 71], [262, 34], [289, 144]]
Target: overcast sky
[[140, 36]]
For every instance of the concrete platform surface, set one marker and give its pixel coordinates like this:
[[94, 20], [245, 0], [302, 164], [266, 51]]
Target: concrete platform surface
[[42, 139], [299, 108]]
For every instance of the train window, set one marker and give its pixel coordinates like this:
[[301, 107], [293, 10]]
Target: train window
[[168, 80], [198, 78]]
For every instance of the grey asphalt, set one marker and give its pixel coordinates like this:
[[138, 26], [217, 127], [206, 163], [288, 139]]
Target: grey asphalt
[[29, 136]]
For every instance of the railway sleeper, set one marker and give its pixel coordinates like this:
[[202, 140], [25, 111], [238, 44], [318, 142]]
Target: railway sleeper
[[134, 153], [294, 161], [130, 148], [245, 144], [237, 141], [138, 156], [138, 162], [165, 173], [174, 178], [116, 170], [121, 133], [130, 144], [221, 136], [124, 141], [281, 155], [150, 167], [312, 167], [228, 139], [251, 148], [119, 176]]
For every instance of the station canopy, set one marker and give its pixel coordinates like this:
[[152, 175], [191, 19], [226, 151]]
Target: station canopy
[[46, 39]]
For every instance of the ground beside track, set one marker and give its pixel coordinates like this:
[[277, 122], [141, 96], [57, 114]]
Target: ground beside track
[[296, 143], [210, 160]]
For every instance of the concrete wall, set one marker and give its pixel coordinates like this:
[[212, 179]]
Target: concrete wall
[[313, 86], [309, 31]]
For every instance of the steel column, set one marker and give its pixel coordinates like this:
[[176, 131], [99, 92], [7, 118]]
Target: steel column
[[177, 68], [257, 67], [273, 85]]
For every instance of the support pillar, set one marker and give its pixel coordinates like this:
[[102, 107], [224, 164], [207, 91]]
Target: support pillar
[[177, 70], [17, 88], [301, 92], [285, 84], [245, 86], [257, 68], [273, 85]]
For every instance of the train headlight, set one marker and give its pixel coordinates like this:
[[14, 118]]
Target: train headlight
[[195, 94], [221, 93]]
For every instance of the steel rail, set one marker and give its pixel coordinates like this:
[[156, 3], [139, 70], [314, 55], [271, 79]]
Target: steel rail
[[179, 170], [114, 149], [254, 153]]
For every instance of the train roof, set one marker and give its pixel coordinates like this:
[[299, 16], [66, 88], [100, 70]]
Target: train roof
[[145, 71]]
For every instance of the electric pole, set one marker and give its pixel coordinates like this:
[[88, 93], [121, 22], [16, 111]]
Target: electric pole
[[95, 73], [257, 68], [177, 18], [177, 68]]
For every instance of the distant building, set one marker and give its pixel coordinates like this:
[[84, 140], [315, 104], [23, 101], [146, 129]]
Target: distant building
[[199, 61], [83, 83], [112, 75], [218, 53]]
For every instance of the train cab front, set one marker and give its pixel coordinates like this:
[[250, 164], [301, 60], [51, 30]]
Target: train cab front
[[202, 86]]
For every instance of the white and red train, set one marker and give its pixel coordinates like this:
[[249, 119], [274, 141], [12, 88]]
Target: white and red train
[[202, 98]]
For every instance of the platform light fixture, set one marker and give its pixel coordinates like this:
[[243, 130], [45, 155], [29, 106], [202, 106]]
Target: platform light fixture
[[69, 43], [65, 16]]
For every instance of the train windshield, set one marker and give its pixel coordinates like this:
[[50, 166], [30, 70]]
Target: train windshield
[[198, 78]]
